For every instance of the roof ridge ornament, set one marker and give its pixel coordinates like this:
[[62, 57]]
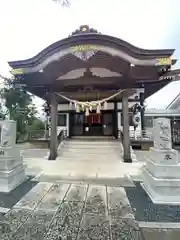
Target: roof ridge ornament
[[84, 29]]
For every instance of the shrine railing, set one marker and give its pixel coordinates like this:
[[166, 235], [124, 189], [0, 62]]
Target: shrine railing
[[38, 135], [62, 136], [44, 135], [137, 135], [176, 136], [147, 135]]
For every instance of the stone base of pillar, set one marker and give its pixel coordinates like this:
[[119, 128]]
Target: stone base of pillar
[[161, 176], [127, 159], [12, 170], [52, 156]]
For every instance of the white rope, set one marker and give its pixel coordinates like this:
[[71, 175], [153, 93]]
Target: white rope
[[92, 102]]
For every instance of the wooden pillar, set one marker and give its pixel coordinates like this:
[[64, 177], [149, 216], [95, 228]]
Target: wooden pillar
[[70, 123], [53, 137], [126, 137], [115, 120]]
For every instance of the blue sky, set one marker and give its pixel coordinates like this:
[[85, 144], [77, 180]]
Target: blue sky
[[28, 26]]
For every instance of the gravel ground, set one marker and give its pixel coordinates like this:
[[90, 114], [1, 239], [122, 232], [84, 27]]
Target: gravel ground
[[8, 200], [83, 211], [71, 212], [145, 210]]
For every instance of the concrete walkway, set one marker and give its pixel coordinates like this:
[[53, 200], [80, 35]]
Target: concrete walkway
[[84, 160], [83, 169]]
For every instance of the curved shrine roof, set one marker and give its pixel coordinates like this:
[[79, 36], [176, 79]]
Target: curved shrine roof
[[86, 35], [86, 48]]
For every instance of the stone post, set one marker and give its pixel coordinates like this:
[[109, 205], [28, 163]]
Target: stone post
[[12, 170], [53, 137], [126, 137], [161, 174]]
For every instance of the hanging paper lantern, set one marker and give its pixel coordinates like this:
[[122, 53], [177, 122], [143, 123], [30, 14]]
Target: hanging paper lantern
[[87, 112], [77, 108], [98, 108], [105, 105], [91, 108], [70, 105], [82, 107]]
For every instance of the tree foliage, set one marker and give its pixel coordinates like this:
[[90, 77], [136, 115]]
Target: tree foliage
[[19, 106], [64, 3], [37, 124], [2, 111]]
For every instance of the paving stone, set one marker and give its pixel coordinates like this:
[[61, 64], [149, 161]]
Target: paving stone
[[54, 197], [66, 222], [96, 202], [118, 203], [41, 217], [31, 200], [5, 229], [94, 227], [30, 231], [11, 222], [118, 181], [5, 232], [125, 229], [76, 193], [35, 227], [16, 217], [142, 155], [43, 214]]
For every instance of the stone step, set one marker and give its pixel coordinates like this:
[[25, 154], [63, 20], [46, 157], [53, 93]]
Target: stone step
[[88, 154], [114, 181], [95, 138], [93, 156], [91, 150], [77, 146], [104, 143], [89, 158]]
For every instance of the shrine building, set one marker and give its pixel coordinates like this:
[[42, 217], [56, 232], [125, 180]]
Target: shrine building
[[92, 82]]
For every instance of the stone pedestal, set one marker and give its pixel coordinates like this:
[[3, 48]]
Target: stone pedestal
[[12, 170], [161, 174]]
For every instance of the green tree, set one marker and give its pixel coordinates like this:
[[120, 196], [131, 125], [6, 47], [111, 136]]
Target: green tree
[[64, 3], [2, 111], [18, 103], [36, 129], [37, 124]]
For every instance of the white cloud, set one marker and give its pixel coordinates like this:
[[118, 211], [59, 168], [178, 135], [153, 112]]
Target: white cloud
[[31, 25]]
